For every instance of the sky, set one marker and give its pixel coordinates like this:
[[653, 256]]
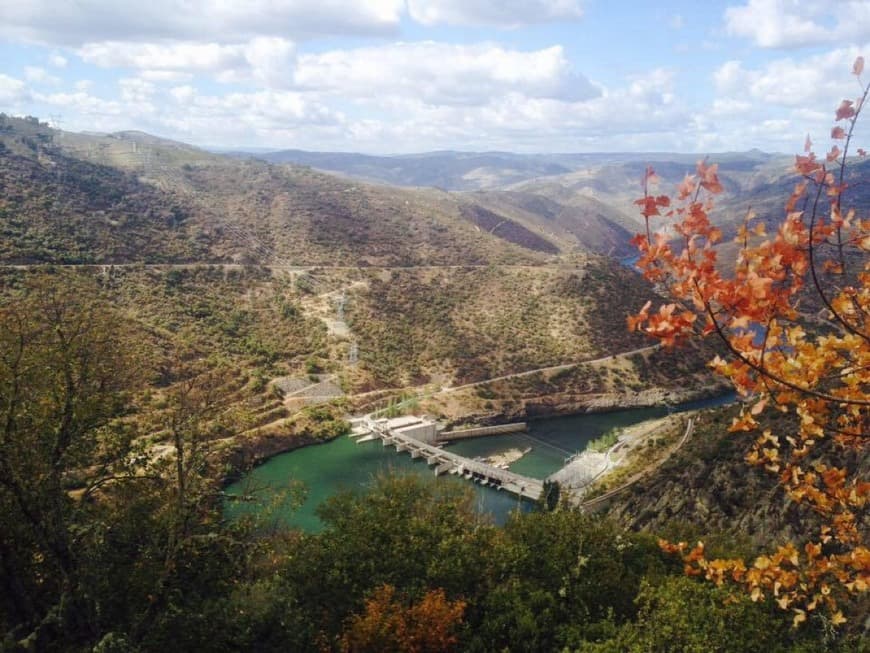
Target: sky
[[402, 76]]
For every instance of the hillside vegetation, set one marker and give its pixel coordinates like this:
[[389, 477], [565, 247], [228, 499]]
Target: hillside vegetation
[[469, 324], [215, 327], [68, 199], [708, 488], [59, 209]]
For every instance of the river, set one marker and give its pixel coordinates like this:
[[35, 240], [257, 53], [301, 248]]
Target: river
[[327, 468]]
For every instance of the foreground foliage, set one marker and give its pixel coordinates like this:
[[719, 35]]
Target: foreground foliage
[[795, 318]]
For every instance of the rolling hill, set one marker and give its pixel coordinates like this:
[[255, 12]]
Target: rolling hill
[[447, 170], [130, 197]]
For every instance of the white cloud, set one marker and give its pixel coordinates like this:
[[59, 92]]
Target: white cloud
[[815, 81], [12, 91], [260, 118], [74, 23], [58, 61], [795, 23], [390, 119], [38, 75], [268, 60], [183, 94], [165, 76], [199, 57], [87, 109], [501, 13], [439, 73], [517, 122], [730, 107], [136, 90], [774, 105]]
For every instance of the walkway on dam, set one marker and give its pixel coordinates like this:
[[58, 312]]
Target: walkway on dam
[[446, 462]]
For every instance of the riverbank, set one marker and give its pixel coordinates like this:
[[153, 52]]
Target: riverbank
[[343, 464], [569, 405], [247, 451]]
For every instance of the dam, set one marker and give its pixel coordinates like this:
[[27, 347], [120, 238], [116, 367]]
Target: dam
[[419, 437]]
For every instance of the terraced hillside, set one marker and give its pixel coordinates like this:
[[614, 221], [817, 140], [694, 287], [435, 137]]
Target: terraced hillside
[[468, 324], [579, 224]]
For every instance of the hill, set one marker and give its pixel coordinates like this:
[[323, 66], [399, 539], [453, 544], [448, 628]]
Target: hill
[[447, 170], [618, 184], [578, 223], [130, 197], [222, 209], [577, 201], [707, 487], [440, 287]]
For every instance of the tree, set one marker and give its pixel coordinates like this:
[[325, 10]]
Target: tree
[[550, 494], [103, 539], [794, 318], [65, 369], [387, 624]]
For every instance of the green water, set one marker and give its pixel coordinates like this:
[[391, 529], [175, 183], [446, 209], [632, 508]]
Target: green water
[[341, 464], [325, 469]]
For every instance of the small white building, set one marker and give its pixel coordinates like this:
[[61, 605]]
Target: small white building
[[419, 428]]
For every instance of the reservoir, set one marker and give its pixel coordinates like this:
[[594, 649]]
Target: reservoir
[[342, 464]]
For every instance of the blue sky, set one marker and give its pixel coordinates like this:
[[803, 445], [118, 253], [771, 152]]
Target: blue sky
[[394, 76]]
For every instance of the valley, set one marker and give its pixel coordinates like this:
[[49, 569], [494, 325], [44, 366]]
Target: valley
[[255, 307], [491, 302]]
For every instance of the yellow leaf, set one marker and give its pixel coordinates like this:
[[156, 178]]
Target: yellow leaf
[[799, 617]]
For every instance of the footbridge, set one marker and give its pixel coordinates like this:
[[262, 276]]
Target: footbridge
[[446, 462]]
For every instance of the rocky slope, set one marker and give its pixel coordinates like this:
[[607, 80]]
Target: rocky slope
[[707, 487]]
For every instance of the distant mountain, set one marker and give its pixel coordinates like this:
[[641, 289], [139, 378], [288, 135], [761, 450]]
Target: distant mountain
[[617, 184], [576, 224], [580, 201], [446, 170], [79, 198], [462, 171], [101, 197]]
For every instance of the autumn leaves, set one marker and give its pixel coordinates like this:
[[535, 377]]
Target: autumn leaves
[[794, 316]]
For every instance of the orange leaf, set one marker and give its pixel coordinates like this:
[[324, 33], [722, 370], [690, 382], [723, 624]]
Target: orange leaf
[[838, 133], [709, 178], [758, 407], [806, 164], [845, 110], [650, 208], [686, 187], [858, 66]]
